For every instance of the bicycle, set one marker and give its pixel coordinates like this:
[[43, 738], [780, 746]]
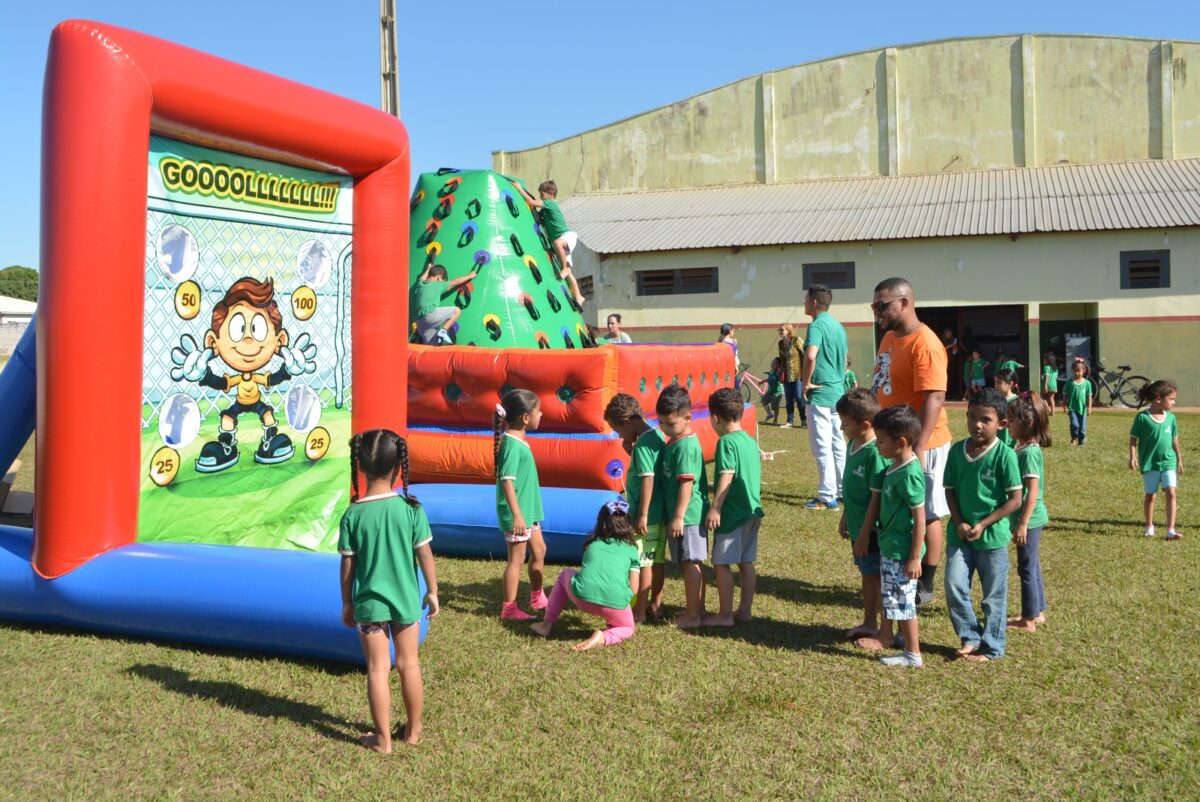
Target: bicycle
[[1122, 390], [752, 387]]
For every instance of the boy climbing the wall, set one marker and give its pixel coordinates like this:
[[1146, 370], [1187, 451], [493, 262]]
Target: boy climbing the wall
[[434, 321], [555, 224]]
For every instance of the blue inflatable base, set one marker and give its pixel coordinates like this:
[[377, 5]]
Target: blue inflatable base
[[463, 519], [261, 600]]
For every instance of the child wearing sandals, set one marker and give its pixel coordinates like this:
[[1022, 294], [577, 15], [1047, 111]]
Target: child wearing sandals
[[1029, 422], [1154, 450], [607, 577], [519, 499], [383, 538]]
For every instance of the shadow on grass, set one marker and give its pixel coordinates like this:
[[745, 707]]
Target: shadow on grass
[[797, 590], [821, 638], [248, 700], [787, 499], [1085, 522]]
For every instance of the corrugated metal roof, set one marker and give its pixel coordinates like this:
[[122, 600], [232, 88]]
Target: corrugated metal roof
[[1071, 197]]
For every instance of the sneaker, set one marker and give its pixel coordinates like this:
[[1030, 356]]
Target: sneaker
[[785, 426], [817, 504], [538, 601], [832, 506], [1149, 531], [443, 337], [904, 659], [274, 447], [924, 597], [1173, 535], [218, 454], [514, 613]]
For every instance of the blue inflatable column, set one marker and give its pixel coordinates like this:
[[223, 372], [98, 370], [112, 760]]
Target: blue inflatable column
[[18, 397]]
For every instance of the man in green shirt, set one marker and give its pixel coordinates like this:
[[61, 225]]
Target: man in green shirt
[[433, 320], [983, 489], [824, 381]]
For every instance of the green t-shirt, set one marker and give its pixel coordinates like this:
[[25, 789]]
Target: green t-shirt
[[863, 466], [829, 370], [429, 296], [975, 369], [737, 453], [643, 462], [851, 381], [382, 533], [603, 576], [1049, 379], [516, 464], [1155, 440], [1077, 396], [1008, 364], [773, 383], [902, 490], [683, 459], [1029, 462], [1004, 435], [553, 220], [981, 486]]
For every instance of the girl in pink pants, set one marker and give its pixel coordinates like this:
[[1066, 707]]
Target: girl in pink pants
[[605, 582]]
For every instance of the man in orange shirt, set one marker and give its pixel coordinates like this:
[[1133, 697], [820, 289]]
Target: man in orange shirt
[[910, 368]]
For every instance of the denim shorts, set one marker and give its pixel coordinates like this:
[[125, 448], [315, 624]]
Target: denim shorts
[[1152, 481], [868, 565], [899, 592]]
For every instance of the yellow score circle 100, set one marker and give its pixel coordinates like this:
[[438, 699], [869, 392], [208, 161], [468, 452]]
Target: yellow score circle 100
[[304, 303]]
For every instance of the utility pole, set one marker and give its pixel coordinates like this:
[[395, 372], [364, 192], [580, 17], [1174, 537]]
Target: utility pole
[[389, 67]]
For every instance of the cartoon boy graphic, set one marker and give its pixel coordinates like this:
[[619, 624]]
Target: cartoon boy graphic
[[247, 332]]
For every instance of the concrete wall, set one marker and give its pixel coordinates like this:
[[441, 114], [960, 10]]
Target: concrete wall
[[963, 104], [1074, 276]]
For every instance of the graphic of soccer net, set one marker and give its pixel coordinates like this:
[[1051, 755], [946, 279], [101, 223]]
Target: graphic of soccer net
[[224, 251]]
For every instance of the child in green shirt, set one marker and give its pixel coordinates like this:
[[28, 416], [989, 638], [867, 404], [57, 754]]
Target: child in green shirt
[[983, 489], [519, 500], [1078, 400], [685, 496], [433, 320], [736, 512], [1050, 380], [383, 538], [1029, 422], [606, 578], [562, 237], [864, 463], [851, 379], [974, 373], [898, 503], [1005, 380], [1154, 450], [644, 494]]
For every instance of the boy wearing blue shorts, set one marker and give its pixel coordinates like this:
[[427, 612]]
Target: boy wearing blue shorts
[[898, 498], [685, 496], [864, 463], [736, 512], [645, 445]]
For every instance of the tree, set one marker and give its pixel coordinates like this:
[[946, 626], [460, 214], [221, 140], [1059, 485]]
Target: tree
[[19, 282]]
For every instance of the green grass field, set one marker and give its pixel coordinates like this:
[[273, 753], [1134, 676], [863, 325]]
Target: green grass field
[[1099, 704]]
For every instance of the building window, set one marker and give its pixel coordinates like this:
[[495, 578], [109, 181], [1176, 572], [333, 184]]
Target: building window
[[1145, 270], [834, 275], [683, 281], [585, 286]]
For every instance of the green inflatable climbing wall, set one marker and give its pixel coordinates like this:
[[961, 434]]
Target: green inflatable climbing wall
[[476, 220]]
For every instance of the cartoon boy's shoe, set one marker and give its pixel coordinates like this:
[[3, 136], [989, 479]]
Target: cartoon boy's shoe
[[218, 455], [274, 447]]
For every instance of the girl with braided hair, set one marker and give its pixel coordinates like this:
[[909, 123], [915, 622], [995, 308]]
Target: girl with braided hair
[[519, 499], [384, 538]]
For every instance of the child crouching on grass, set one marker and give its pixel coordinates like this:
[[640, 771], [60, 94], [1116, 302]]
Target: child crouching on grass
[[983, 489], [1029, 422], [1154, 450], [898, 500], [864, 463], [383, 538], [604, 582]]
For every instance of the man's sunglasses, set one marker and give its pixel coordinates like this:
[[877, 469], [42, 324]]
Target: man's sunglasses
[[879, 306]]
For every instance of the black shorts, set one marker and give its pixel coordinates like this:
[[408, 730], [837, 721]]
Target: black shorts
[[238, 409]]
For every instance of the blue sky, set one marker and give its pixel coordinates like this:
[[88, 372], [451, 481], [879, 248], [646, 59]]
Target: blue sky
[[477, 77]]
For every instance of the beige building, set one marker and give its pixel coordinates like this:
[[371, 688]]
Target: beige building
[[1031, 188]]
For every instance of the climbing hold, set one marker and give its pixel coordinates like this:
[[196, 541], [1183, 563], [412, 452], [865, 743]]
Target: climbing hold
[[434, 248], [546, 245], [542, 341], [585, 336], [531, 263], [527, 301], [492, 324], [511, 203], [553, 301], [448, 170], [481, 259], [463, 299], [571, 299], [417, 197], [449, 187], [473, 209], [469, 230], [430, 233], [443, 209], [566, 335], [516, 243]]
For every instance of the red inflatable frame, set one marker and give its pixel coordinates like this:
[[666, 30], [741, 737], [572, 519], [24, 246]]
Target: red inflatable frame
[[106, 90]]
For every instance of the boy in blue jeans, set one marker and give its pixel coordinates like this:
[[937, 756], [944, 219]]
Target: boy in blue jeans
[[983, 489]]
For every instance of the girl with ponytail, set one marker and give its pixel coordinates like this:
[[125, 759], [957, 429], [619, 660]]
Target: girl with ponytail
[[384, 539], [519, 499]]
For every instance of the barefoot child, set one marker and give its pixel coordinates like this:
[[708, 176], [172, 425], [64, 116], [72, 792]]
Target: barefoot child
[[736, 512], [685, 495], [864, 463], [519, 499], [605, 579], [1005, 380], [645, 498], [434, 320], [1029, 422], [1078, 400], [983, 489], [383, 537], [1154, 450], [898, 498], [557, 232], [1050, 380]]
